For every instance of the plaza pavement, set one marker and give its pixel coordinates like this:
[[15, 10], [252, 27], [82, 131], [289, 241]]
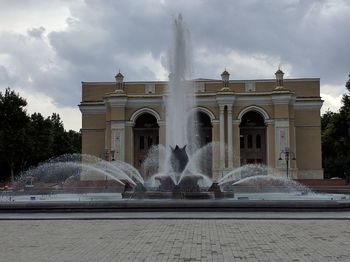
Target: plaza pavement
[[175, 240]]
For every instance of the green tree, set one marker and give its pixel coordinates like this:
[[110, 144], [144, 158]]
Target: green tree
[[64, 142], [40, 137], [346, 98], [26, 141], [336, 139], [13, 135]]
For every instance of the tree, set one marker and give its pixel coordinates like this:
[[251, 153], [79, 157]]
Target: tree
[[346, 98], [28, 140], [336, 139], [64, 142], [13, 136], [40, 138]]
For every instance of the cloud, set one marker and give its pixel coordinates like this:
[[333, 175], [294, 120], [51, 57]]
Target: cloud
[[17, 15], [240, 65], [49, 47], [39, 102], [4, 76], [331, 103], [36, 32], [332, 96]]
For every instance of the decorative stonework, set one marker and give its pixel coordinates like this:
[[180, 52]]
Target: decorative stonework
[[150, 88], [118, 140], [281, 140], [250, 86], [199, 87]]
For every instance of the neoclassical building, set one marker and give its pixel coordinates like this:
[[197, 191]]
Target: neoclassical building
[[250, 121]]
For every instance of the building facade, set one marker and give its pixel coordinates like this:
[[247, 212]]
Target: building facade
[[249, 121]]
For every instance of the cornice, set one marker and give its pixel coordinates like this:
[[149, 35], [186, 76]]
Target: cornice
[[145, 101], [243, 100], [225, 98], [92, 109], [308, 104], [116, 101], [214, 81], [282, 97]]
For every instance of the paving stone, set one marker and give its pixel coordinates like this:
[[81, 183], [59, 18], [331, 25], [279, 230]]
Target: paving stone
[[175, 240]]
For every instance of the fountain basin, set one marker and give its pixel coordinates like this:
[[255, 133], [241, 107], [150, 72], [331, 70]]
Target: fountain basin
[[168, 195], [176, 205]]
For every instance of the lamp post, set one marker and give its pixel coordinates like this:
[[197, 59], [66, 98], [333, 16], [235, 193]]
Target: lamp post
[[287, 155]]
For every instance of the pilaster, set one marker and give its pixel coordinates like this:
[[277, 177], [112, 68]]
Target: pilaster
[[236, 144], [115, 131], [222, 138], [215, 150], [270, 143], [229, 137], [225, 98], [118, 139], [129, 143]]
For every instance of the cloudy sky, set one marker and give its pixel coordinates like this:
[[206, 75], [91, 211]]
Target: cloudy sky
[[48, 47]]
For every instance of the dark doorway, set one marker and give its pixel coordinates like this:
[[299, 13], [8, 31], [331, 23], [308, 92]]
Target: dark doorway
[[252, 139], [146, 134], [204, 129], [204, 137]]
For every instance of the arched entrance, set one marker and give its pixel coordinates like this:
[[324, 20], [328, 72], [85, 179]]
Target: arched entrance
[[203, 137], [146, 134], [204, 128], [252, 138]]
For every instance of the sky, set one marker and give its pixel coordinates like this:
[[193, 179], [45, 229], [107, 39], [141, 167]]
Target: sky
[[47, 48]]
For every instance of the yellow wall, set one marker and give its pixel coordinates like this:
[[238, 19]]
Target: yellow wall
[[93, 142], [308, 152], [117, 113], [95, 92], [281, 111], [308, 139], [93, 121], [307, 118]]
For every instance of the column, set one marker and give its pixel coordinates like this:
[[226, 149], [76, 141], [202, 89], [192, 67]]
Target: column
[[216, 150], [129, 143], [270, 144], [222, 138], [229, 136], [162, 133], [162, 141], [236, 144]]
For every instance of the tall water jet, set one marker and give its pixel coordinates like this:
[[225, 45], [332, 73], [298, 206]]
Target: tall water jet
[[180, 122]]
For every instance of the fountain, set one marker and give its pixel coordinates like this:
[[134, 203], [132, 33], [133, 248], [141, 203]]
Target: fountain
[[182, 174], [178, 176]]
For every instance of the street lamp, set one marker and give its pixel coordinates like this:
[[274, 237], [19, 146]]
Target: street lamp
[[287, 154]]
